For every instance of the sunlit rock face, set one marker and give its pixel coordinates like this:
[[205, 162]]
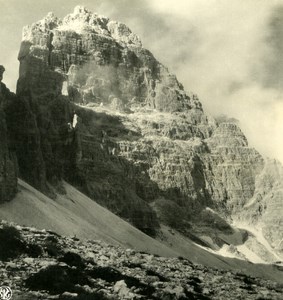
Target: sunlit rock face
[[140, 143], [100, 60], [8, 162], [231, 167]]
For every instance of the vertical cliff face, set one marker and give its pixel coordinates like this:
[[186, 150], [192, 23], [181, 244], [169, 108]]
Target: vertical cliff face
[[98, 110], [231, 168], [8, 162]]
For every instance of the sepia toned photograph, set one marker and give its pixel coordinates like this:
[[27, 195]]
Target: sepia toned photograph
[[141, 149]]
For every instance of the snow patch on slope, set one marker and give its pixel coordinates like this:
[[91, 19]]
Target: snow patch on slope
[[258, 235]]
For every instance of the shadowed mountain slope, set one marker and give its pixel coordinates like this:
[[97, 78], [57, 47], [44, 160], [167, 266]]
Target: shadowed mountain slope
[[74, 214]]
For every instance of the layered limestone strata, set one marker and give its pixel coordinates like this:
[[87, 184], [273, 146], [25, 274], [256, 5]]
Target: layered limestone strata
[[231, 167]]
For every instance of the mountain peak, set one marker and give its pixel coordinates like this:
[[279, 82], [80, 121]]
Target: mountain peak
[[82, 21], [80, 9], [83, 44]]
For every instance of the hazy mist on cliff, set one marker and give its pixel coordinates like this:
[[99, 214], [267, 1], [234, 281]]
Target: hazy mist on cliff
[[228, 52]]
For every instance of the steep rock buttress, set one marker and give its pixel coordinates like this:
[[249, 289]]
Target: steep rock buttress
[[8, 163]]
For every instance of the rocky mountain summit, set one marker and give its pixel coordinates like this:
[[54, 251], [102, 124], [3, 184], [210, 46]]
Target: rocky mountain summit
[[99, 60], [96, 109], [39, 264]]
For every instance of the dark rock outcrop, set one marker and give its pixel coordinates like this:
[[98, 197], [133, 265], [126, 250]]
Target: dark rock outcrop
[[102, 271], [8, 161]]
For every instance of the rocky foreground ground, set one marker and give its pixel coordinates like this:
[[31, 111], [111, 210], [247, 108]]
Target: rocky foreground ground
[[40, 264]]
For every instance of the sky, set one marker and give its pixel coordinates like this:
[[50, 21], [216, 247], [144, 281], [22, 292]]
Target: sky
[[230, 53]]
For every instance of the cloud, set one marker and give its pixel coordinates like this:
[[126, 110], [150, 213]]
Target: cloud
[[230, 54], [270, 72]]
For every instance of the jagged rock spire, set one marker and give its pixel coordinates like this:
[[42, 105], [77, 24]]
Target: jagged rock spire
[[2, 70]]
